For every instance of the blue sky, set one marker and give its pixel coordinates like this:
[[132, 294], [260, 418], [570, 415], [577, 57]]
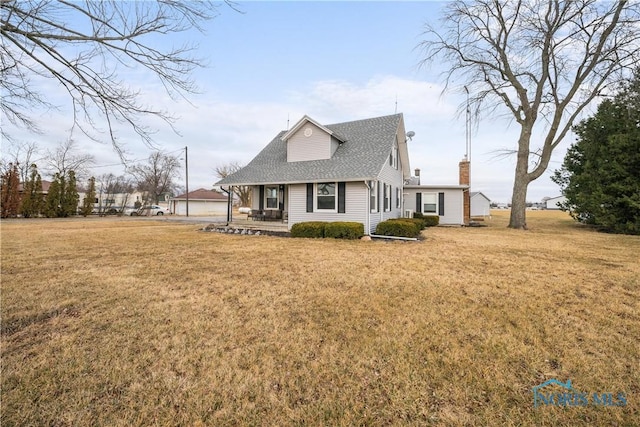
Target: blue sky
[[334, 61]]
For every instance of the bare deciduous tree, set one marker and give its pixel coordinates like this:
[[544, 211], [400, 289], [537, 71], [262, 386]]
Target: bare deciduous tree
[[541, 61], [65, 158], [20, 154], [157, 176], [83, 44], [243, 192], [113, 193]]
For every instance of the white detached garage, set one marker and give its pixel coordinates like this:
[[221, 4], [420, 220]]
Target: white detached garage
[[201, 202]]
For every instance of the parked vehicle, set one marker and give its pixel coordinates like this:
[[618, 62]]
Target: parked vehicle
[[150, 210]]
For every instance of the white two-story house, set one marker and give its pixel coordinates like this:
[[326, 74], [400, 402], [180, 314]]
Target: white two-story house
[[352, 171]]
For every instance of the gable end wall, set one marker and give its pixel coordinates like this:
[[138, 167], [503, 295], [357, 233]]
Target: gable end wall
[[301, 148]]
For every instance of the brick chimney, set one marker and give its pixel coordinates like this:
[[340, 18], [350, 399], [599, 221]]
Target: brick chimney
[[465, 179]]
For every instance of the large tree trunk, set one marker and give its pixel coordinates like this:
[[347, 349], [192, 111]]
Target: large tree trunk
[[518, 218]]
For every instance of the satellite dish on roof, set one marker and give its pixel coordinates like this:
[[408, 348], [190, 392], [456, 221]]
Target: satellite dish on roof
[[411, 134]]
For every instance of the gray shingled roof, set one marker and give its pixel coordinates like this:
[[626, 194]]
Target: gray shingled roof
[[367, 146]]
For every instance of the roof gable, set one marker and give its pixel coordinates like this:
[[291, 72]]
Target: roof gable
[[362, 155], [303, 121], [202, 194]]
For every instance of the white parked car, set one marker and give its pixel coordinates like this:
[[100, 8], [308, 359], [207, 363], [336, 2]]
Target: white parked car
[[151, 210]]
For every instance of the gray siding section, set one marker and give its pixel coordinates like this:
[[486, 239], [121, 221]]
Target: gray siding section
[[392, 176], [453, 214], [301, 148], [356, 194]]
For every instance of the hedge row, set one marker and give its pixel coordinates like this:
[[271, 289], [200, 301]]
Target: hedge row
[[429, 220], [336, 230], [399, 227]]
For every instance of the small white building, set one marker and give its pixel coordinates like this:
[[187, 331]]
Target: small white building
[[445, 201], [554, 202], [201, 202], [480, 204]]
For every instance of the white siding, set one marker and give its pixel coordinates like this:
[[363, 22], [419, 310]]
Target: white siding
[[318, 146], [392, 176], [453, 200], [553, 202], [480, 206], [201, 207], [356, 194], [255, 197]]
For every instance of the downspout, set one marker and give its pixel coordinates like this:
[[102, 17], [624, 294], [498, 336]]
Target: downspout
[[230, 203], [367, 226]]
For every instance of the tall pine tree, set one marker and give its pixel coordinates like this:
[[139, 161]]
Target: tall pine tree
[[32, 198], [9, 192], [89, 198], [70, 196], [62, 199]]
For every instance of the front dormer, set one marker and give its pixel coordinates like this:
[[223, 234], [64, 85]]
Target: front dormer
[[309, 140]]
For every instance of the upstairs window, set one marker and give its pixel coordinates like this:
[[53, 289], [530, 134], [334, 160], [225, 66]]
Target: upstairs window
[[394, 156]]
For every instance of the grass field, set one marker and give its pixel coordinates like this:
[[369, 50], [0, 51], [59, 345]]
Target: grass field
[[125, 322]]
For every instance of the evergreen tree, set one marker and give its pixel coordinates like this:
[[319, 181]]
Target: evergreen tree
[[70, 197], [89, 198], [9, 192], [600, 175], [32, 200], [52, 203]]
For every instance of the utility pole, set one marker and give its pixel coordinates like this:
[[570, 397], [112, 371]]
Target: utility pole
[[186, 170]]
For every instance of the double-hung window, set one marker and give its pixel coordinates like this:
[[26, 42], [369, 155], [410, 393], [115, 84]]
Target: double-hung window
[[271, 195], [387, 197], [326, 196], [373, 196], [430, 203], [393, 157]]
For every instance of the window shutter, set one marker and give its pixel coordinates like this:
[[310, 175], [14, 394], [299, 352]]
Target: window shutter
[[309, 197], [418, 202], [440, 203], [261, 200], [379, 197], [341, 196]]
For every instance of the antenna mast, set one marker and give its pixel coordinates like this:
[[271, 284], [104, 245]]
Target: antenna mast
[[467, 137]]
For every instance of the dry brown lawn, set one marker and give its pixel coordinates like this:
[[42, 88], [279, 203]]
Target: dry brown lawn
[[121, 322]]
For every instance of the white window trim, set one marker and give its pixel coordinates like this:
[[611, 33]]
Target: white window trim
[[387, 197], [395, 157], [277, 197], [315, 198], [437, 205], [374, 187]]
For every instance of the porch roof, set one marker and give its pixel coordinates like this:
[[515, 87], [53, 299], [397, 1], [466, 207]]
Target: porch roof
[[362, 156]]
